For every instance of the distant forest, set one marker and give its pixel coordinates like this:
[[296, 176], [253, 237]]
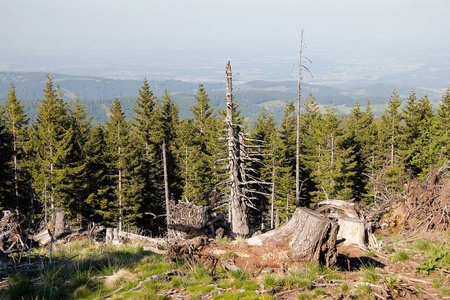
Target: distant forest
[[98, 94], [111, 171]]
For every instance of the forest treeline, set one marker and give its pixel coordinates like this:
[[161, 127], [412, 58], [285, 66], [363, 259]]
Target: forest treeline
[[112, 173]]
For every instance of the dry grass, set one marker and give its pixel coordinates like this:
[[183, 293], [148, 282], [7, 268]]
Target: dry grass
[[119, 278]]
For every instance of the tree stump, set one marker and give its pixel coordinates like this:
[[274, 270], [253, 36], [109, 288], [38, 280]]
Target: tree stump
[[309, 236], [353, 230]]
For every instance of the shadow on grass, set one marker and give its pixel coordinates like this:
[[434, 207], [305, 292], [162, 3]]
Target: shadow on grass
[[61, 278], [357, 263]]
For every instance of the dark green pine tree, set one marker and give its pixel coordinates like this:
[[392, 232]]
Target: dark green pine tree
[[6, 173], [389, 169], [201, 173], [146, 184], [426, 146], [101, 201], [52, 146], [16, 124], [360, 134], [73, 183], [263, 168], [117, 142], [336, 164], [285, 151], [170, 122], [310, 123], [443, 123], [414, 114]]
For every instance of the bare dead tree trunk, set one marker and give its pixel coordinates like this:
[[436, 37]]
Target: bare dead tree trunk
[[297, 154], [120, 185], [238, 208], [166, 183]]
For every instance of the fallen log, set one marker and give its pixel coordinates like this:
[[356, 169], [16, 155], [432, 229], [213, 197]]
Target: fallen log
[[136, 237], [309, 236], [348, 208]]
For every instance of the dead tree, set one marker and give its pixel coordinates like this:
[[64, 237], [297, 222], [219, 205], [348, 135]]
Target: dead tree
[[297, 148], [238, 207], [242, 177], [299, 94]]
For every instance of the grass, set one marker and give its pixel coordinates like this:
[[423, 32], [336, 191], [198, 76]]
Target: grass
[[98, 270], [370, 274], [400, 256]]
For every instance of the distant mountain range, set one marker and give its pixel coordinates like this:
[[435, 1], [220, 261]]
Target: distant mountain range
[[98, 93]]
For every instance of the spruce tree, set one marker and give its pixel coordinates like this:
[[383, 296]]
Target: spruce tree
[[443, 123], [146, 184], [416, 112], [170, 122], [6, 173], [101, 202], [311, 122], [16, 125], [117, 138], [263, 168], [285, 155], [336, 165], [360, 134], [201, 173], [73, 183], [389, 167], [51, 143]]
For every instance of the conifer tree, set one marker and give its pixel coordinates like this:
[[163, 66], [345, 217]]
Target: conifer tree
[[145, 150], [117, 138], [16, 124], [201, 153], [285, 154], [170, 121], [360, 134], [101, 201], [52, 146], [389, 167], [311, 122], [73, 183], [6, 176], [263, 169], [414, 114], [443, 123], [336, 164]]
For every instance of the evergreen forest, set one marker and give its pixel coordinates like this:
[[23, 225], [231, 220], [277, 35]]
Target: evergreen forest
[[112, 173]]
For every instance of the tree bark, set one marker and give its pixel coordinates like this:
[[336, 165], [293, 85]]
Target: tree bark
[[166, 184], [297, 144], [238, 208], [309, 236]]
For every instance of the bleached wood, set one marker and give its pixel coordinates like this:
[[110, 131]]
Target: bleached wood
[[352, 230]]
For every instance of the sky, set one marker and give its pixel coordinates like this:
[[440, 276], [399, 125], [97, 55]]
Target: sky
[[185, 39]]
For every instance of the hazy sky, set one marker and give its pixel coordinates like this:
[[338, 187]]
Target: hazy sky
[[234, 29]]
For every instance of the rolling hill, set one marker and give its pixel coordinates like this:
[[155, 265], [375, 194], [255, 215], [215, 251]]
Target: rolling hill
[[98, 93]]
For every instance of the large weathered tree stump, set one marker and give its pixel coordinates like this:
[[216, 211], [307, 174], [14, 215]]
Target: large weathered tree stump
[[353, 230], [309, 236]]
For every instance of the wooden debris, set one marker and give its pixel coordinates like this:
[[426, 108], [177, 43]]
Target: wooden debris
[[348, 208], [309, 236], [56, 228], [423, 207], [11, 235], [190, 220]]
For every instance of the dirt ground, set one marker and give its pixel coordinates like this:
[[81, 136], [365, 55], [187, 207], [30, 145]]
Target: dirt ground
[[410, 284]]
